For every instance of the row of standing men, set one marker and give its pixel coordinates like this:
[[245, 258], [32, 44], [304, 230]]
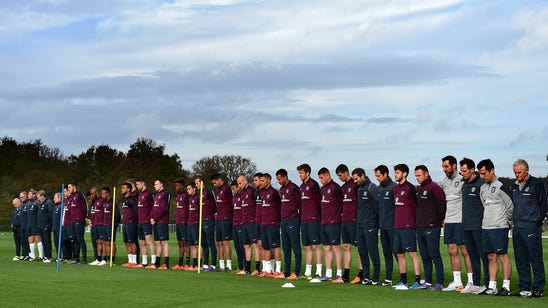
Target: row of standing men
[[473, 207]]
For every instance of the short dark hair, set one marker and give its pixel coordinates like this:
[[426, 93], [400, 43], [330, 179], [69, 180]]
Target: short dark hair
[[358, 171], [304, 167], [159, 180], [452, 160], [180, 181], [191, 184], [323, 170], [266, 175], [468, 162], [421, 167], [106, 188], [215, 176], [487, 163], [382, 169], [141, 179], [257, 175], [281, 172], [234, 183], [342, 168], [128, 185], [402, 167]]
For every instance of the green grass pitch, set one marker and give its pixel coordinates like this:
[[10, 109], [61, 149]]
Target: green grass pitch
[[35, 284]]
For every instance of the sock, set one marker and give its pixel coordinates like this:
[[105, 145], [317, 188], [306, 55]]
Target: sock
[[418, 278], [346, 275], [328, 272], [319, 269], [278, 266], [470, 278], [506, 284], [187, 260], [248, 266], [360, 274], [222, 264], [492, 285], [134, 259], [144, 260], [264, 265], [308, 270], [40, 250], [194, 262], [153, 259], [113, 259], [258, 266], [403, 278], [31, 254], [180, 261], [229, 264], [99, 258], [456, 278], [129, 258], [166, 261], [272, 264], [157, 263]]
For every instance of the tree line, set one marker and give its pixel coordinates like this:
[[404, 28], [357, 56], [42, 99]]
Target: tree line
[[33, 164]]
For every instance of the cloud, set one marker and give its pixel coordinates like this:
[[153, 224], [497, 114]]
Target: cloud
[[534, 26], [255, 76]]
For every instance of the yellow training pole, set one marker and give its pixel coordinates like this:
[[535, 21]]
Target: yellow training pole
[[113, 212], [200, 225]]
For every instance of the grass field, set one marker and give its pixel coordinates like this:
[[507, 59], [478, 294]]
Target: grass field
[[35, 284]]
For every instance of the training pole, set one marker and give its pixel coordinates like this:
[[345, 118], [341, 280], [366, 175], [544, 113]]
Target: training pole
[[113, 212], [200, 225], [61, 226]]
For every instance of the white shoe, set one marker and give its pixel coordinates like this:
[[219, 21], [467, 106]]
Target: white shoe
[[101, 263], [524, 293], [16, 258], [402, 286], [452, 286], [470, 287], [46, 260], [205, 267], [480, 289], [94, 262]]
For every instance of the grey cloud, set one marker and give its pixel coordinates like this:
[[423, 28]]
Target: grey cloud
[[222, 78], [386, 120]]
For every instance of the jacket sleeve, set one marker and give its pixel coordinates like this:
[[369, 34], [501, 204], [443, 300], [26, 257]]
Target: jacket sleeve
[[506, 196]]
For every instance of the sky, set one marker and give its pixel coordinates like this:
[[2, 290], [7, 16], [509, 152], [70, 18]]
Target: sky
[[282, 82]]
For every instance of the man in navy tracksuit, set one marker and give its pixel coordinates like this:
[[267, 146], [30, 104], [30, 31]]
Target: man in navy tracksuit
[[530, 209], [431, 207], [472, 217], [16, 226], [23, 229], [44, 223], [386, 220], [367, 226]]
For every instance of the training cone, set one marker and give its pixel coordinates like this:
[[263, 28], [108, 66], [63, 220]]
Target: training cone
[[288, 285], [315, 280]]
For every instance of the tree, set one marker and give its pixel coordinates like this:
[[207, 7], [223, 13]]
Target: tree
[[97, 166], [147, 159], [229, 166]]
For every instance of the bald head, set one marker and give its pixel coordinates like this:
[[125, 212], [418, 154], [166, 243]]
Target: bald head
[[242, 182]]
